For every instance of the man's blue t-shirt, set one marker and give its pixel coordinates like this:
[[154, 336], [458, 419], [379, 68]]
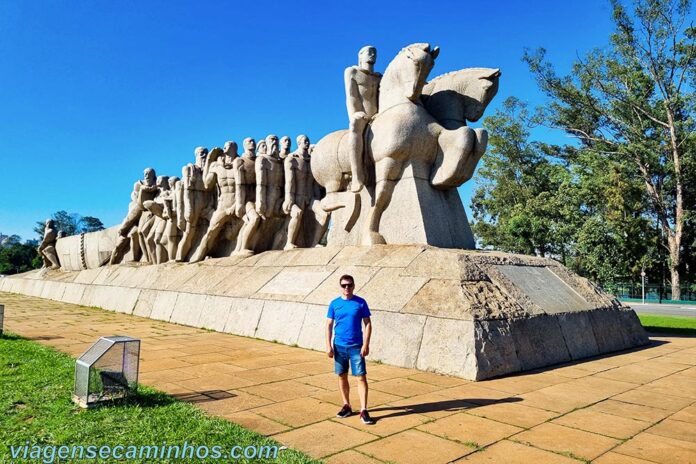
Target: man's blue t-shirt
[[348, 316]]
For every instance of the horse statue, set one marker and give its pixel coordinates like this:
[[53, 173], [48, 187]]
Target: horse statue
[[417, 124]]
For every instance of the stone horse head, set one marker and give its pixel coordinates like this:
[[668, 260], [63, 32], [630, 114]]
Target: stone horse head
[[406, 75], [460, 96]]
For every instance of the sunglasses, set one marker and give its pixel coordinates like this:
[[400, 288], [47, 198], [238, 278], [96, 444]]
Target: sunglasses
[[347, 285]]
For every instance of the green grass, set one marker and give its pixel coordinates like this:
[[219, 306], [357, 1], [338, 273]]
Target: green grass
[[668, 324], [36, 386]]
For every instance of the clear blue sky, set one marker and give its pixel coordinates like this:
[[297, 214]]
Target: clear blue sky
[[92, 92]]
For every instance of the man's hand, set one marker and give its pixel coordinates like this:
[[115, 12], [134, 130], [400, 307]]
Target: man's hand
[[287, 206], [330, 353], [361, 115], [364, 351]]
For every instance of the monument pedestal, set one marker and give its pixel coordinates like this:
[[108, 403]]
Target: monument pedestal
[[467, 313], [417, 213]]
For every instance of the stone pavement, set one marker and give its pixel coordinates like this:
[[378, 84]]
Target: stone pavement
[[630, 407]]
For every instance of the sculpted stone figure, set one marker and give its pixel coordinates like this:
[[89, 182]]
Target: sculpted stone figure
[[405, 133], [269, 180], [221, 177], [155, 247], [47, 247], [362, 87], [298, 188], [195, 202], [285, 147], [143, 190], [172, 234], [245, 198]]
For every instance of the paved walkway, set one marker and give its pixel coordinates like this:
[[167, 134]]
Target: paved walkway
[[632, 407]]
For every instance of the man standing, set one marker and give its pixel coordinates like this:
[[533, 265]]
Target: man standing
[[346, 315]]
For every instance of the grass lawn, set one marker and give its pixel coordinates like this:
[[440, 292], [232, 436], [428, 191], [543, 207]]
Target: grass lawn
[[36, 386], [668, 324]]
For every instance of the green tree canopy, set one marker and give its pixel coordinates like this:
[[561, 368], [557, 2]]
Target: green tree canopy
[[70, 224], [561, 202], [633, 104]]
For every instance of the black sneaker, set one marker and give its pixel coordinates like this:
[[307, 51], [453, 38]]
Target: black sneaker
[[346, 411], [365, 417]]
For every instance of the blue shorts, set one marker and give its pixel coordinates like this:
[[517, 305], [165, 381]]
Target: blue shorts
[[345, 354]]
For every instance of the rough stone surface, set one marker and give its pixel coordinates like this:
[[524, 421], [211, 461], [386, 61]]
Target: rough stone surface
[[539, 342], [496, 353], [313, 332], [188, 309], [403, 343], [463, 317], [145, 303], [164, 305], [243, 317], [281, 321], [215, 312], [578, 334], [448, 347]]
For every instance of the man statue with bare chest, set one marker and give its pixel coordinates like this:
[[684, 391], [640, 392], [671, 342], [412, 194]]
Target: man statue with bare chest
[[362, 92], [220, 177], [298, 184], [194, 202], [245, 197]]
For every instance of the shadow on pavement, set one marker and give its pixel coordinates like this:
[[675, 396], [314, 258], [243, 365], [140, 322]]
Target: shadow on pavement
[[447, 405]]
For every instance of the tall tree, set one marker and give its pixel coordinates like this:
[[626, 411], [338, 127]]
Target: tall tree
[[560, 201], [524, 201], [16, 256], [634, 103], [71, 224], [90, 224]]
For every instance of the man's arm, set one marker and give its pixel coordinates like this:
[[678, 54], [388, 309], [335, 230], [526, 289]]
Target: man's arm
[[353, 99], [210, 180], [261, 181], [329, 333], [365, 350], [240, 190], [289, 184]]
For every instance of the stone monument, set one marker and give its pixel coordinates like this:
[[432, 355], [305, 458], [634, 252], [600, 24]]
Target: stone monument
[[250, 227]]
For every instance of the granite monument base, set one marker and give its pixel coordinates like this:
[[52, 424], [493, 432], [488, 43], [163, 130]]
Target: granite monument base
[[467, 313]]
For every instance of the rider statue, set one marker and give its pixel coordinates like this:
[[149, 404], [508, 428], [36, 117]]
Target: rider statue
[[362, 89]]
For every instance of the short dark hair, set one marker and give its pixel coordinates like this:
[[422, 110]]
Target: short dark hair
[[346, 277]]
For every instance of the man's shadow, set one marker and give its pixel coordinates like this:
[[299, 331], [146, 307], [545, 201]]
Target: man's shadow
[[447, 405]]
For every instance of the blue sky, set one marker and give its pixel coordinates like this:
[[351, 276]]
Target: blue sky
[[92, 92]]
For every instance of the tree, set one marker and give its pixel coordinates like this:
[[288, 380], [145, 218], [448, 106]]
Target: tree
[[524, 202], [634, 104], [90, 224], [559, 201], [16, 256], [70, 224]]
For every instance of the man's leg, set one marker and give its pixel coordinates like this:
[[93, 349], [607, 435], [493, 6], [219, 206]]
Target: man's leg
[[344, 386], [356, 131], [362, 391]]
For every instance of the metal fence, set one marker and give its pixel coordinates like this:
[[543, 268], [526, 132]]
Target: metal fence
[[654, 293]]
